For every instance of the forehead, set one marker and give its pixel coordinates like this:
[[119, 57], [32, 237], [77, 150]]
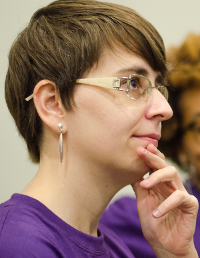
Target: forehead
[[190, 104], [120, 62]]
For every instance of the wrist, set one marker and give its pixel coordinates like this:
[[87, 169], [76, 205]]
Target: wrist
[[186, 251], [190, 254]]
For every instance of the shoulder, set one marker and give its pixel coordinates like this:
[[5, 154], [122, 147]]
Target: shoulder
[[24, 232], [122, 217], [125, 203], [124, 209], [21, 237], [115, 245]]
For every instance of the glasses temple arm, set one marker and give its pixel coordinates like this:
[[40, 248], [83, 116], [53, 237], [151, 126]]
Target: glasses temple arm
[[110, 83]]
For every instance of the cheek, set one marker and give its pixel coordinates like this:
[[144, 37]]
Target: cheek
[[99, 135], [101, 126], [105, 114]]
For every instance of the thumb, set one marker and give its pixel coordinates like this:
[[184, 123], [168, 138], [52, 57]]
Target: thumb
[[139, 191], [145, 203]]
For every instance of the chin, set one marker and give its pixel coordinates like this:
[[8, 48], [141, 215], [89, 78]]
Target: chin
[[141, 169]]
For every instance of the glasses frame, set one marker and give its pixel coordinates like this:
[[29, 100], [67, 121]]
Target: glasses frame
[[115, 83]]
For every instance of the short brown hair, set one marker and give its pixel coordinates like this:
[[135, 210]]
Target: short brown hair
[[62, 42], [185, 74]]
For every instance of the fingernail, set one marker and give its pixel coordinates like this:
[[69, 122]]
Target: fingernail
[[144, 150], [156, 213], [146, 182]]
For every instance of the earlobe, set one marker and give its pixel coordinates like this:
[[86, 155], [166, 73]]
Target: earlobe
[[48, 104]]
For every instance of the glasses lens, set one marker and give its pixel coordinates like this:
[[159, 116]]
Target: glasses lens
[[139, 87], [123, 84]]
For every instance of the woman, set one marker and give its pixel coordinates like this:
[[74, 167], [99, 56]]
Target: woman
[[181, 134], [180, 142], [92, 84]]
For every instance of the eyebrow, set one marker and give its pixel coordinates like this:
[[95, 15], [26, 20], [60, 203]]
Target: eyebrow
[[141, 71], [135, 70]]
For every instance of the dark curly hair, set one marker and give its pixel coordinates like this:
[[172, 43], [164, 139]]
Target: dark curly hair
[[184, 74]]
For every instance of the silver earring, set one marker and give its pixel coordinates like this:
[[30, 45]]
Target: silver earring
[[60, 126]]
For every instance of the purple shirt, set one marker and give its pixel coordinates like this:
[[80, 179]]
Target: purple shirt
[[29, 229], [122, 217], [196, 193]]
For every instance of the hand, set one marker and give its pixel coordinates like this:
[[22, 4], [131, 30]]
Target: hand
[[167, 212]]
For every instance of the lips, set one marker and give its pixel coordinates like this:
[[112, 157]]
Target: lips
[[151, 138]]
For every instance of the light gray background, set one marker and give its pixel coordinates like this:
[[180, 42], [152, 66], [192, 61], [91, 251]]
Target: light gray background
[[172, 18]]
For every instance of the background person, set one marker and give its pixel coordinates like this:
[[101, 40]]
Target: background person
[[180, 142], [181, 135], [78, 69]]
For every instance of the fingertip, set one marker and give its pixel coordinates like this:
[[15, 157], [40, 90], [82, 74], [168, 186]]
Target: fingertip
[[145, 183], [141, 151], [140, 148], [152, 148], [156, 213]]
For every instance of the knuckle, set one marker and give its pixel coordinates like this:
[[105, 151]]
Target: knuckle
[[185, 196], [195, 201], [162, 156], [180, 194], [173, 171]]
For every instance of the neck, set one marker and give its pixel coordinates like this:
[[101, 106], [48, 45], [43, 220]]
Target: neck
[[78, 196]]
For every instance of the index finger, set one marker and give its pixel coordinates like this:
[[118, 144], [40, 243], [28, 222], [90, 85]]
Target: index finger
[[153, 161], [155, 151], [167, 175]]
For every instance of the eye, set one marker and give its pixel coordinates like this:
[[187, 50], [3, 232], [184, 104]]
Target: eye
[[137, 84], [134, 83], [197, 127]]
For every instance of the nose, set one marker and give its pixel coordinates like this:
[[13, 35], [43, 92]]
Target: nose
[[158, 106]]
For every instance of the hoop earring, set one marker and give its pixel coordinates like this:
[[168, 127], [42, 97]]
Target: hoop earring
[[60, 126]]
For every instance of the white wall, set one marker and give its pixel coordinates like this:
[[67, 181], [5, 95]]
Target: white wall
[[172, 18]]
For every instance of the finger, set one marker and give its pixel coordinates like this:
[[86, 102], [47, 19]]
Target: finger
[[143, 200], [187, 203], [168, 174], [155, 151], [139, 192], [153, 161]]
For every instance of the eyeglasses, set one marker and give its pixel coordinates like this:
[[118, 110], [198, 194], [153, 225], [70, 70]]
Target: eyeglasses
[[137, 87]]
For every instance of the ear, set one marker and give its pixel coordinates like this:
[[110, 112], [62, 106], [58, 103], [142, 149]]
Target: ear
[[48, 105]]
